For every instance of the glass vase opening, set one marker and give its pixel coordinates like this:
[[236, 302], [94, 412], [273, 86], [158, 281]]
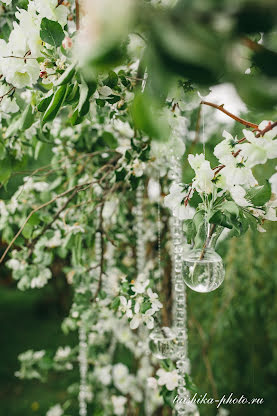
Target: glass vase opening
[[163, 343]]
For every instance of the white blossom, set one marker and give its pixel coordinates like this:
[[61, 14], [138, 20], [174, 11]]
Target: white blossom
[[140, 284], [55, 411], [238, 194], [104, 374], [125, 306], [203, 173], [118, 404], [154, 299], [259, 149], [169, 379], [174, 200]]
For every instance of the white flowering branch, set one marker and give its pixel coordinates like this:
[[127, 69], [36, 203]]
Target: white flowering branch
[[68, 191]]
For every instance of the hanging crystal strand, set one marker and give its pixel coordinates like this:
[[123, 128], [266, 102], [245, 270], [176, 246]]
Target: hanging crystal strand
[[83, 339], [179, 302], [83, 365], [140, 254]]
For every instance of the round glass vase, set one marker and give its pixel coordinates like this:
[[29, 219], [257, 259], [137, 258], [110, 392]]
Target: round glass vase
[[163, 343], [203, 269]]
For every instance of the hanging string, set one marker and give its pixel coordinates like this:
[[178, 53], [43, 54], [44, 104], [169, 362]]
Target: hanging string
[[206, 201], [140, 254], [159, 230]]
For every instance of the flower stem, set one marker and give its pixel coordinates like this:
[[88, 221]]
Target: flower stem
[[207, 242]]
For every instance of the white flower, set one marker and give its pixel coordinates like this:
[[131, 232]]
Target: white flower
[[135, 46], [140, 284], [154, 299], [223, 412], [126, 306], [55, 411], [7, 104], [174, 200], [259, 149], [30, 22], [153, 190], [118, 404], [273, 182], [238, 174], [260, 229], [238, 194], [49, 9], [62, 353], [7, 2], [203, 173], [271, 208], [104, 374], [121, 377], [146, 318], [169, 379], [55, 241], [123, 128], [18, 72], [223, 151], [152, 383], [138, 168], [41, 280], [105, 91], [124, 145]]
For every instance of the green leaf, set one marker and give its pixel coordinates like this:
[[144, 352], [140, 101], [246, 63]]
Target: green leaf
[[259, 195], [112, 80], [145, 113], [55, 104], [109, 139], [115, 303], [67, 76], [44, 103], [27, 118], [86, 91], [51, 32], [145, 306], [5, 170], [230, 207], [189, 230], [221, 219], [27, 231]]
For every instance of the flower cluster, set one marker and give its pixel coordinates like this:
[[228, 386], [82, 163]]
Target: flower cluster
[[230, 188], [141, 305]]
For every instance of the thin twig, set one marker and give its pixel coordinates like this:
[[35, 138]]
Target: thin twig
[[240, 120]]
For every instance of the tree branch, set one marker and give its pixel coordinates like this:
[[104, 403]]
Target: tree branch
[[77, 7], [240, 120]]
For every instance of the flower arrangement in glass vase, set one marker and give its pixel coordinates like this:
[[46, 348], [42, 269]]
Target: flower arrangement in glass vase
[[226, 196]]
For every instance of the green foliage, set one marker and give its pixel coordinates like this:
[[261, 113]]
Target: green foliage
[[51, 32]]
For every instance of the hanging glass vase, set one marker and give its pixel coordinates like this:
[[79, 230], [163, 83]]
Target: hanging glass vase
[[203, 269], [163, 342]]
